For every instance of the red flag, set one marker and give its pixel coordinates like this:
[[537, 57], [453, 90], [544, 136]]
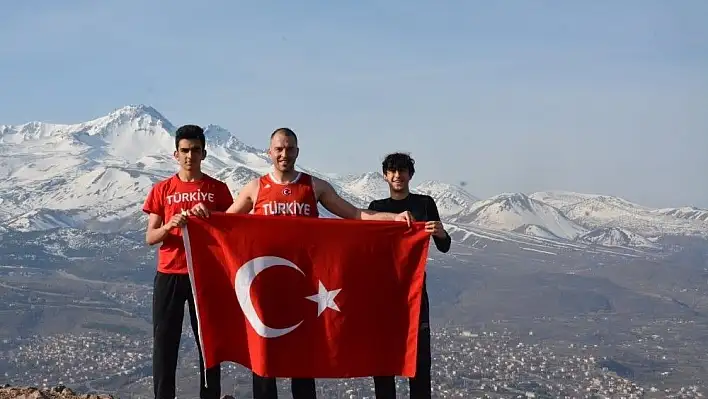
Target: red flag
[[307, 297]]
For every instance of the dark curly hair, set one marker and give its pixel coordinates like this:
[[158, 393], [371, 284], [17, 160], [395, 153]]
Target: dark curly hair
[[398, 161]]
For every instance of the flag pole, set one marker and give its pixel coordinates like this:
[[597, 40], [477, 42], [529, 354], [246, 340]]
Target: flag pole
[[190, 268]]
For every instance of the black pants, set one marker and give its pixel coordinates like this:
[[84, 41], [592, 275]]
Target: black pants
[[265, 388], [420, 387], [170, 293]]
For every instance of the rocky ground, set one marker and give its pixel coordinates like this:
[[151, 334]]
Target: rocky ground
[[58, 392]]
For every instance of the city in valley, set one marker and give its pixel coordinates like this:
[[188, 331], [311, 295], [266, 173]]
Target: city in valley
[[64, 324], [490, 363]]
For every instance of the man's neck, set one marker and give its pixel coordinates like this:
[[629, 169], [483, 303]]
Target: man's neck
[[399, 195], [186, 175], [285, 177]]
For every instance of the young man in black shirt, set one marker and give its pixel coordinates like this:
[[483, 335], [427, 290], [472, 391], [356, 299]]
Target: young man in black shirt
[[398, 169]]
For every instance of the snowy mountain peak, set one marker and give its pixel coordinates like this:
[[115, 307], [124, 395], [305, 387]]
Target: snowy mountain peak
[[432, 186], [138, 111], [451, 200], [514, 200], [567, 199], [132, 120], [11, 134], [593, 211], [217, 136], [513, 211], [369, 185], [123, 124]]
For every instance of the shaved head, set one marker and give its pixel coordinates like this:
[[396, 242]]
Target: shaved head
[[287, 132]]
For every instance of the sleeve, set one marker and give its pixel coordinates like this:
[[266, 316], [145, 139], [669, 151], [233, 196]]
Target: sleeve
[[225, 198], [372, 206], [154, 202], [442, 244]]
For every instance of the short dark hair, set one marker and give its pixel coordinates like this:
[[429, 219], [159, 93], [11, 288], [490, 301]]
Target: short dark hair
[[398, 161], [285, 131], [190, 132]]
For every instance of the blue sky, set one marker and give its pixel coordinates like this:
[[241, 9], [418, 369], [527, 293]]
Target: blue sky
[[602, 96]]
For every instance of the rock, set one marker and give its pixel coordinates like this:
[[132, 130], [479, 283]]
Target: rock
[[37, 395], [57, 392], [58, 388]]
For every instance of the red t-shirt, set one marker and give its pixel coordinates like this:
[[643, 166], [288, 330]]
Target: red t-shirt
[[296, 198], [169, 197]]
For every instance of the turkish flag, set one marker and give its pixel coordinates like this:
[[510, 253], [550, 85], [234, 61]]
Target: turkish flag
[[307, 297]]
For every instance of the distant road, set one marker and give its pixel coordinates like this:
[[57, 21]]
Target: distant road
[[70, 276]]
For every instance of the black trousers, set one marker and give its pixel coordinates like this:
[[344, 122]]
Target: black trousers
[[266, 388], [419, 386], [170, 293]]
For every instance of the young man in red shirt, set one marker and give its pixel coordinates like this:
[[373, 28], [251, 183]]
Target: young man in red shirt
[[286, 191], [189, 191]]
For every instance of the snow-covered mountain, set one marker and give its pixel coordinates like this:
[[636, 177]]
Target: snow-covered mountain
[[452, 201], [687, 212], [95, 175], [595, 211], [367, 186], [514, 211], [616, 237]]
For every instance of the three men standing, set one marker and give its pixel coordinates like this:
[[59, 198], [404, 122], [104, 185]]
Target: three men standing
[[284, 191]]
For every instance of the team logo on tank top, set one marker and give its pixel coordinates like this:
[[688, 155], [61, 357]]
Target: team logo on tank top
[[296, 198]]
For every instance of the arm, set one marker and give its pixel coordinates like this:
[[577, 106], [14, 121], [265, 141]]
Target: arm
[[441, 243], [245, 200], [156, 231], [342, 208]]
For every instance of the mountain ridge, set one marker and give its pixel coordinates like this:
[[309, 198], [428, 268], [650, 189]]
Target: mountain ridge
[[95, 175]]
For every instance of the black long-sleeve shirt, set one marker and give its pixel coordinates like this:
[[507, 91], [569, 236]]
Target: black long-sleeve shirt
[[422, 207]]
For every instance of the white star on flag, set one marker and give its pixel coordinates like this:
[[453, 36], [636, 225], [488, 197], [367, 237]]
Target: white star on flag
[[324, 299]]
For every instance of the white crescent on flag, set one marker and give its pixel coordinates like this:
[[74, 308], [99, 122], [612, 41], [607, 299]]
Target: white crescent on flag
[[244, 278]]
